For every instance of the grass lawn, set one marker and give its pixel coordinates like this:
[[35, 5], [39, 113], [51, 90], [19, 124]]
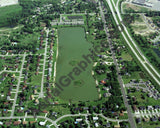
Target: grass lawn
[[65, 119], [138, 28], [115, 1], [41, 51], [124, 117], [36, 79], [149, 124], [60, 110], [139, 18], [71, 48], [134, 75], [126, 56]]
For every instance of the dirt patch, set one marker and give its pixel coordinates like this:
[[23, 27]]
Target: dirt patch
[[129, 6], [132, 7], [140, 27], [142, 30]]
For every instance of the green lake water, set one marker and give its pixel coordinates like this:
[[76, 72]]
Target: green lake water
[[72, 45]]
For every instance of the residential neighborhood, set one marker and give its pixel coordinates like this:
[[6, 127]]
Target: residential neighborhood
[[79, 64]]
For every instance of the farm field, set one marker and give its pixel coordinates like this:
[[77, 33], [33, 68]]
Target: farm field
[[83, 87]]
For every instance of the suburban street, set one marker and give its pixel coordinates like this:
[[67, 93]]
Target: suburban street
[[129, 111], [55, 122], [17, 89], [44, 63]]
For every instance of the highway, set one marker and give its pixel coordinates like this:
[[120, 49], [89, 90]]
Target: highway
[[135, 46]]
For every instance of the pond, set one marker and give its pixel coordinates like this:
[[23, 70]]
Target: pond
[[74, 73]]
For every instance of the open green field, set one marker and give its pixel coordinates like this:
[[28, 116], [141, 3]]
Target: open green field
[[126, 56], [134, 75], [70, 51], [9, 14], [149, 124]]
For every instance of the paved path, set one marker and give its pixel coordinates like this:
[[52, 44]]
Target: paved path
[[9, 71], [55, 64], [87, 122]]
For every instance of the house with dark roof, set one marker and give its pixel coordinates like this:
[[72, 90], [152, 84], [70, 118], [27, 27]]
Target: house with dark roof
[[138, 120], [108, 125], [154, 119], [140, 2], [142, 108], [156, 107]]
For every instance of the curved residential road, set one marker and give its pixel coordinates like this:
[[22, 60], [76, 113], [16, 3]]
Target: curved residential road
[[72, 115], [142, 62], [112, 120], [68, 115]]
